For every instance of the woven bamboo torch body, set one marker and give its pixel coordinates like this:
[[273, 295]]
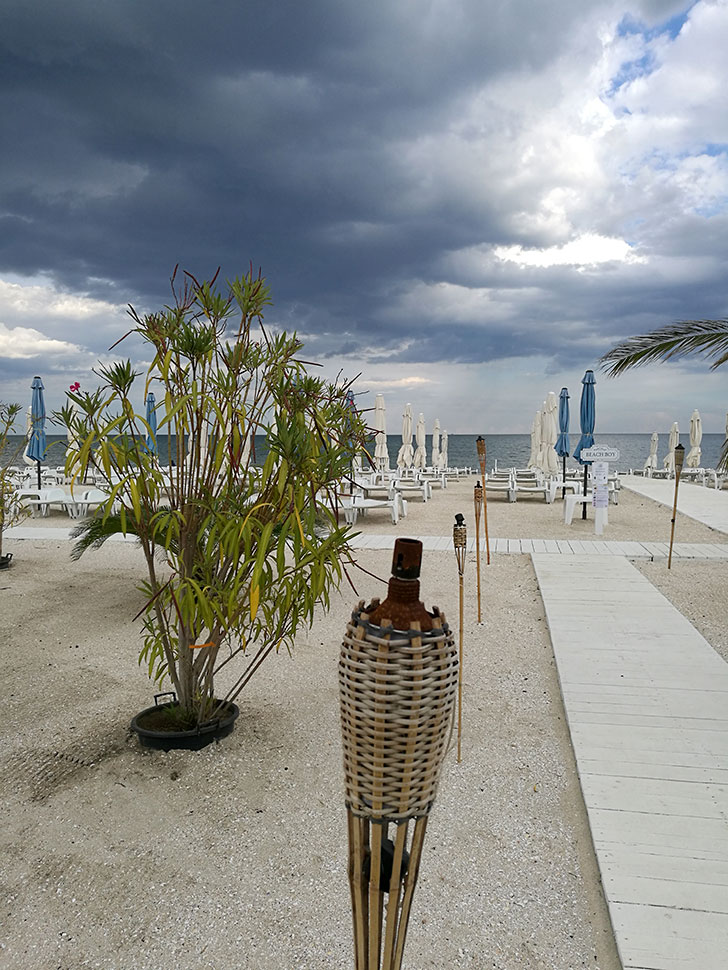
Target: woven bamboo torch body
[[398, 676], [480, 445]]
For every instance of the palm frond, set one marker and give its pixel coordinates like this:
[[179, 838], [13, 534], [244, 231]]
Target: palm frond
[[707, 337], [723, 458], [93, 532]]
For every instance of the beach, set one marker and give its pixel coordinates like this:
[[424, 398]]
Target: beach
[[235, 856]]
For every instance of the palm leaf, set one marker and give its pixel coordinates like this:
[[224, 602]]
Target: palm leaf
[[93, 532], [707, 337]]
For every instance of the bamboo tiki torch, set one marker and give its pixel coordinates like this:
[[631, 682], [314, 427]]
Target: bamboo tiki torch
[[679, 459], [397, 686], [480, 445], [460, 542], [478, 501]]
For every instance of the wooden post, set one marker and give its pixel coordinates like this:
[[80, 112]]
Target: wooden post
[[480, 445], [460, 542], [679, 459], [478, 501]]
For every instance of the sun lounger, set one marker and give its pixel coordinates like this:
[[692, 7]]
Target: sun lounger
[[506, 486], [41, 499]]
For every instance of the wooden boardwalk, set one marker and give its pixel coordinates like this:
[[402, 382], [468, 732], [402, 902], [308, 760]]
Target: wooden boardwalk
[[517, 547], [707, 505], [646, 699]]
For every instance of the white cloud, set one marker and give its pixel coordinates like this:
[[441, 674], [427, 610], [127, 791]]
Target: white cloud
[[20, 343], [589, 249]]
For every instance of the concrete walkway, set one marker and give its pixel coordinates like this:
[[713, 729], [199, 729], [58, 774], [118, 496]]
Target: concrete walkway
[[646, 699], [707, 505]]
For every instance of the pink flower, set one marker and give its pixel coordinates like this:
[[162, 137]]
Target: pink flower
[[75, 387]]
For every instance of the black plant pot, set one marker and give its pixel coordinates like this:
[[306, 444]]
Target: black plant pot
[[192, 740], [5, 560]]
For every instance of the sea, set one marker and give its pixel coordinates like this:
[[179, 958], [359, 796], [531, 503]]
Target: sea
[[503, 449]]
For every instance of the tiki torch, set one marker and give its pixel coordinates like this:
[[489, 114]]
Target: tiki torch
[[480, 445], [460, 542], [398, 676], [478, 501], [679, 459]]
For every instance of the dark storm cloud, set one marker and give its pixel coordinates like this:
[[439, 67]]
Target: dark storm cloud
[[309, 139]]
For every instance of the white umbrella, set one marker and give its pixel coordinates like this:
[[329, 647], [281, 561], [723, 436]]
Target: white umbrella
[[535, 441], [442, 463], [552, 428], [28, 433], [696, 436], [381, 454], [436, 443], [669, 460], [406, 454], [651, 460], [420, 459], [542, 459]]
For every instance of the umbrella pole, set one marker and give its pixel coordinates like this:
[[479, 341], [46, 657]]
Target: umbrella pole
[[583, 504], [563, 479], [460, 541], [679, 458], [38, 476]]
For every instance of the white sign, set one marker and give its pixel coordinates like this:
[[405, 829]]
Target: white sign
[[600, 453], [600, 472], [600, 497]]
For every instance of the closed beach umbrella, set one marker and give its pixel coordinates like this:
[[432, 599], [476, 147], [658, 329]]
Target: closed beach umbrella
[[552, 408], [381, 454], [543, 435], [535, 441], [420, 459], [436, 443], [28, 435], [406, 454], [562, 442], [587, 420], [442, 463], [696, 436], [37, 446], [672, 442], [651, 461], [152, 422]]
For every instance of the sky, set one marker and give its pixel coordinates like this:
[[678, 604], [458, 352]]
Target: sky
[[466, 202]]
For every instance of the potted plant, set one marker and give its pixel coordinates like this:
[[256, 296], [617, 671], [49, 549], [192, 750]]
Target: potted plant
[[244, 557], [11, 510]]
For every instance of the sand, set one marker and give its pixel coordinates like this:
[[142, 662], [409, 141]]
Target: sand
[[235, 857]]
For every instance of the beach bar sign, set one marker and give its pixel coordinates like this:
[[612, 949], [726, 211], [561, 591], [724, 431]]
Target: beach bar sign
[[600, 453]]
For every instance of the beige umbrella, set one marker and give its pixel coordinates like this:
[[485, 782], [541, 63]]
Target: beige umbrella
[[696, 436], [436, 443], [542, 459], [405, 456], [552, 427], [535, 441], [669, 460], [420, 459], [28, 433], [381, 454], [442, 463], [651, 460]]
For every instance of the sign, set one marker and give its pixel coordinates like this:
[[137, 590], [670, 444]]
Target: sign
[[600, 497], [600, 453], [600, 472]]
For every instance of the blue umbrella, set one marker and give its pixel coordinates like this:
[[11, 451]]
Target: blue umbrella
[[152, 422], [562, 442], [37, 445], [588, 417]]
